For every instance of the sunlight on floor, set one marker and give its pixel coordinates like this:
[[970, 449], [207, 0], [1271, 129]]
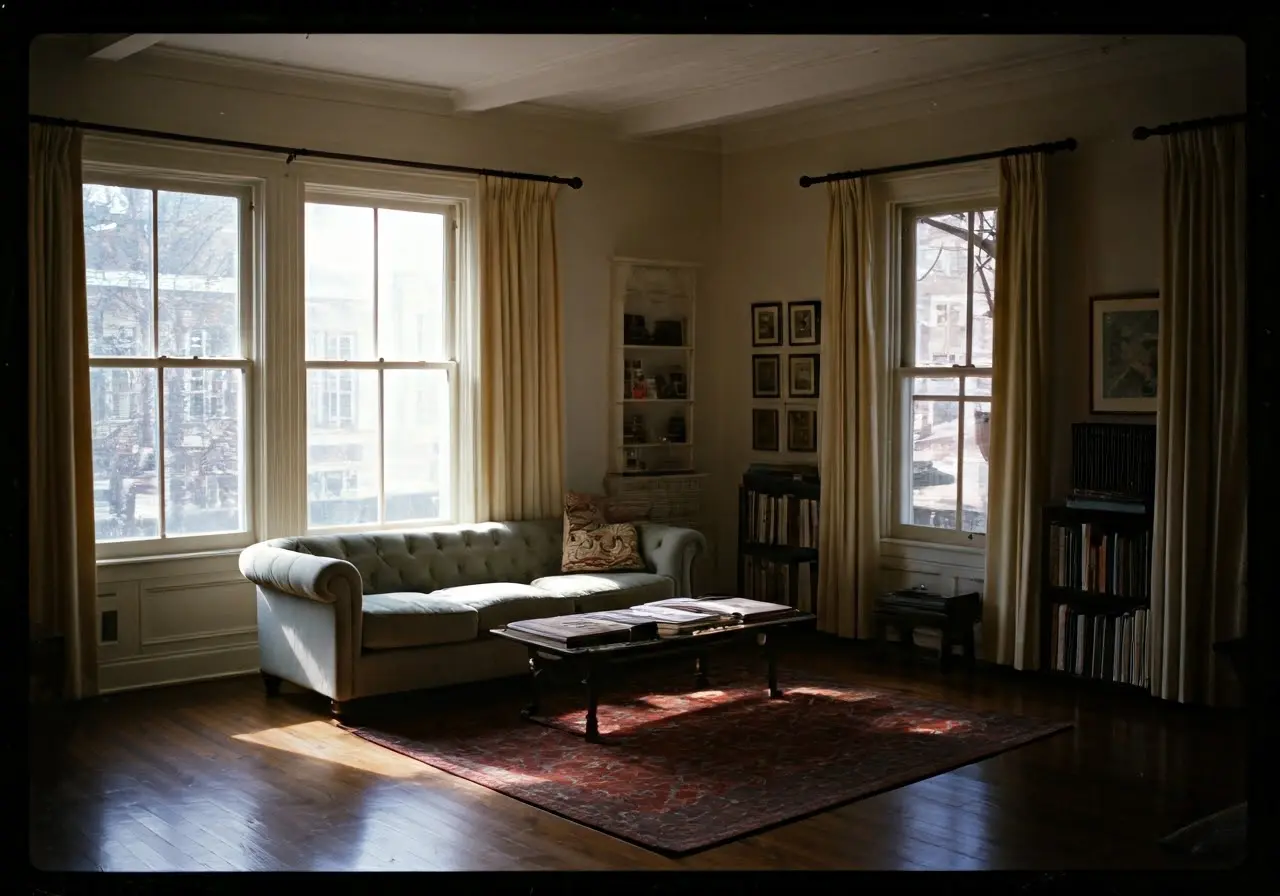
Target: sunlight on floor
[[321, 740]]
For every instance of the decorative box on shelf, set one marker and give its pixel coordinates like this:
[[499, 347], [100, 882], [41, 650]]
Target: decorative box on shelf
[[673, 498]]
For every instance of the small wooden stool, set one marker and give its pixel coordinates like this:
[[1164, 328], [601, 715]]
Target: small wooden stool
[[954, 617]]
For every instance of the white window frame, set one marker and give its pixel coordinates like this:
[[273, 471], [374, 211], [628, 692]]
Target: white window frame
[[902, 300], [246, 190], [378, 199]]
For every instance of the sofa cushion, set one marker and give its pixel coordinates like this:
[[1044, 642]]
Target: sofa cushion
[[410, 619], [498, 603], [592, 592]]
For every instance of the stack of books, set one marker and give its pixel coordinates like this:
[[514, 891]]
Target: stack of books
[[660, 619]]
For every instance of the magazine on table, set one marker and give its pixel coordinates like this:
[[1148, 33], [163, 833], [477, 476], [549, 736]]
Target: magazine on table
[[739, 609], [574, 631]]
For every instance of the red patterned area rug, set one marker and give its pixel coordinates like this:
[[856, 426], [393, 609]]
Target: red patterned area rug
[[682, 770]]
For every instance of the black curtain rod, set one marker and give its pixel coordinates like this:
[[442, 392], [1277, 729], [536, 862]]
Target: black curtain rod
[[1175, 127], [1068, 145], [291, 154]]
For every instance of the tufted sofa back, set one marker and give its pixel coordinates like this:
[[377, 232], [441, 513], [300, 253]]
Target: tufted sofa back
[[442, 556]]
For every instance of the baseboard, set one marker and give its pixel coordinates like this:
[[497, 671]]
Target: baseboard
[[177, 668]]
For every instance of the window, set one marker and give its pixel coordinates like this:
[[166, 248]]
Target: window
[[166, 276], [943, 428], [380, 362]]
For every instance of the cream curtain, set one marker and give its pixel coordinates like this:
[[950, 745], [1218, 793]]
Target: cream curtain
[[1018, 471], [852, 333], [61, 564], [1199, 559], [520, 472]]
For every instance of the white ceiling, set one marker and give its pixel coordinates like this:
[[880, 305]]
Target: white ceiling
[[647, 85]]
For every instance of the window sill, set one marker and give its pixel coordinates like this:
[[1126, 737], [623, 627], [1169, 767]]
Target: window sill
[[169, 558]]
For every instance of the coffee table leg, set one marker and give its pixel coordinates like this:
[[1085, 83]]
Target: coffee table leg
[[590, 679], [703, 667], [772, 658], [535, 672]]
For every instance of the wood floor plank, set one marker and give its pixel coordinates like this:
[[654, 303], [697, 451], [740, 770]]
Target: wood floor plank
[[216, 776]]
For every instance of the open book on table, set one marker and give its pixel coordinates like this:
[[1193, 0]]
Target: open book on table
[[737, 609]]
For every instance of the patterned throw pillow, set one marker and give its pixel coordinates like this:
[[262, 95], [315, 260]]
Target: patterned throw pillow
[[592, 544]]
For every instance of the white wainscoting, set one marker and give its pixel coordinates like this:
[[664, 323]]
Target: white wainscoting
[[940, 569], [176, 620]]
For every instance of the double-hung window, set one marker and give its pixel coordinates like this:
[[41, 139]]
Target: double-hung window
[[168, 278], [381, 374], [942, 430]]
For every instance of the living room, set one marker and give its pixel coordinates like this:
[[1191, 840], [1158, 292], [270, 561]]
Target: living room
[[700, 167]]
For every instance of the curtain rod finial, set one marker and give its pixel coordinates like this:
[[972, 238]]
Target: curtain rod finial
[[1071, 144], [1141, 133], [575, 183], [806, 181]]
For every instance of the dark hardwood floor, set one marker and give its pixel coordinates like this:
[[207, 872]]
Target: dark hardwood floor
[[216, 776]]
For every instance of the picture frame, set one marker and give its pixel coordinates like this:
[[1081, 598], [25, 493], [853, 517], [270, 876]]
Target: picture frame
[[766, 324], [804, 322], [802, 430], [764, 429], [1124, 345], [802, 376], [766, 376]]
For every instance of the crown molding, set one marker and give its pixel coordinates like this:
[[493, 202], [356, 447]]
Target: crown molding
[[1068, 73], [178, 64]]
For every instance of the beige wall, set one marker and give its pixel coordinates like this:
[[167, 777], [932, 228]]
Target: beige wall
[[1104, 237]]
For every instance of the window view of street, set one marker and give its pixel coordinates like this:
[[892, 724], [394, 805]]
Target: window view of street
[[375, 281], [163, 287], [953, 308]]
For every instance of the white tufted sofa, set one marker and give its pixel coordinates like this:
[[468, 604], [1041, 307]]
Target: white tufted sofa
[[353, 616]]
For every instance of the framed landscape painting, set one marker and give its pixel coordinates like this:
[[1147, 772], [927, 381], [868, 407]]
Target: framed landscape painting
[[1123, 353]]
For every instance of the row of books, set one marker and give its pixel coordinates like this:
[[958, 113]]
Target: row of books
[[765, 580], [1087, 558], [1107, 647], [782, 520], [670, 618]]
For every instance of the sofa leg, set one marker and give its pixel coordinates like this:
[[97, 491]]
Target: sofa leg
[[271, 683], [337, 709]]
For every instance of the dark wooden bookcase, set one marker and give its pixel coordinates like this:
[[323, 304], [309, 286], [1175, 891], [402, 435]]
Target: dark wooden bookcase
[[1096, 563], [772, 536]]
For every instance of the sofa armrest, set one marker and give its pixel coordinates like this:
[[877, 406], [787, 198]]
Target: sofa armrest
[[670, 551], [323, 579]]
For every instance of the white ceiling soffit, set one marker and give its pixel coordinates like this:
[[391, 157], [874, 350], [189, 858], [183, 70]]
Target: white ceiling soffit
[[114, 47]]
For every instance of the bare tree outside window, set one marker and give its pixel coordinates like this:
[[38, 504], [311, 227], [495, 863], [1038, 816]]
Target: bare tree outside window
[[162, 275]]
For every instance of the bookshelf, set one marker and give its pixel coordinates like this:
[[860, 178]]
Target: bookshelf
[[652, 384], [1096, 595], [778, 533]]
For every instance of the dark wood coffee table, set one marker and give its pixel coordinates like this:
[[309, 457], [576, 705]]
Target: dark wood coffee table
[[592, 665]]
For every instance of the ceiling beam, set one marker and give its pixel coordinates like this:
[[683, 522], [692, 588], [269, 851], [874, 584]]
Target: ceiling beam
[[114, 47], [609, 66], [900, 64]]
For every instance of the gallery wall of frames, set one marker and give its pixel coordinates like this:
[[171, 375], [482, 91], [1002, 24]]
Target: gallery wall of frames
[[785, 376]]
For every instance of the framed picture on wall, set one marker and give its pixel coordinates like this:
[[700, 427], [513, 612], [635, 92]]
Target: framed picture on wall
[[764, 429], [805, 322], [766, 323], [802, 430], [1124, 346], [802, 378], [766, 376]]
